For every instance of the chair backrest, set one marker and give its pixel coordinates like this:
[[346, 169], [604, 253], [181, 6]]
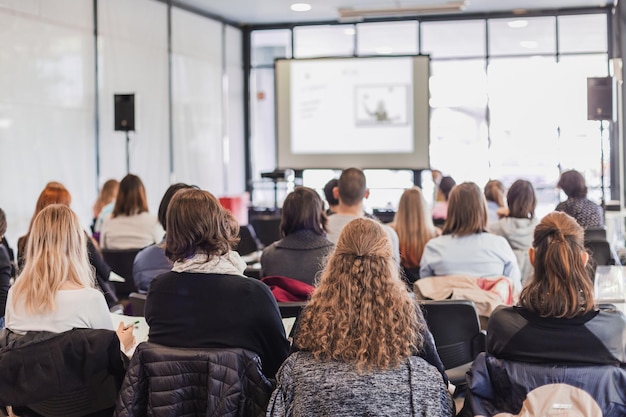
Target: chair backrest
[[455, 326], [230, 380], [595, 233], [602, 253], [137, 304], [121, 262], [267, 228], [248, 242]]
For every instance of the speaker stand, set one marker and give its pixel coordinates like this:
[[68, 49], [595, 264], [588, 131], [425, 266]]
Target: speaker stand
[[127, 153], [603, 201]]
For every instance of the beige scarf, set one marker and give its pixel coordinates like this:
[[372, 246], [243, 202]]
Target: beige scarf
[[228, 264]]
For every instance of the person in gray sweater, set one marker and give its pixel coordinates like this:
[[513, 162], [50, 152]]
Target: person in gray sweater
[[358, 339], [300, 254], [518, 226]]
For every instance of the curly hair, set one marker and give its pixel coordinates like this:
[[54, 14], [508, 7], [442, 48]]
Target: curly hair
[[361, 312]]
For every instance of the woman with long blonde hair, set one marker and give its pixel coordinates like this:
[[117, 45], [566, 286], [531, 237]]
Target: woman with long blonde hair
[[414, 225], [358, 340], [55, 290]]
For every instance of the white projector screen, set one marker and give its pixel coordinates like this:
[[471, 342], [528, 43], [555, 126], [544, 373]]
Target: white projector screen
[[367, 112]]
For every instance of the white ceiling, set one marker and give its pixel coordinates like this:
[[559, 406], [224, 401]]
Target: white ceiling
[[258, 12]]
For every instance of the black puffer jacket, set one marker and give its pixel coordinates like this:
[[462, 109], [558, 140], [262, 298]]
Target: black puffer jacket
[[164, 382], [75, 366]]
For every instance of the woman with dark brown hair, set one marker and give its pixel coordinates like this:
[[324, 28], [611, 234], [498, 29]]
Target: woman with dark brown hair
[[518, 225], [494, 194], [556, 320], [465, 247], [301, 252], [586, 212], [359, 339], [130, 226], [205, 301]]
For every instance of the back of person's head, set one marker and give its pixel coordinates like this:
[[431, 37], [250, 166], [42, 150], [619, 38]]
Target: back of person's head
[[109, 190], [165, 201], [467, 211], [352, 186], [329, 193], [522, 200], [303, 209], [56, 252], [53, 193], [131, 197], [561, 285], [414, 225], [494, 192], [445, 186], [573, 184], [198, 224], [3, 223], [361, 312]]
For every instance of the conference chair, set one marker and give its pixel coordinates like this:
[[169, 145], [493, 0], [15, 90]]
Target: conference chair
[[267, 228], [121, 262], [248, 242], [455, 326], [602, 253], [136, 304]]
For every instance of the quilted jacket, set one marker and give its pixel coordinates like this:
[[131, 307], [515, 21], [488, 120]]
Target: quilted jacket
[[503, 386], [164, 382], [82, 367]]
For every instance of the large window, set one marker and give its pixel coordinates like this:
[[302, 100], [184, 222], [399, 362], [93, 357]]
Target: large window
[[507, 96]]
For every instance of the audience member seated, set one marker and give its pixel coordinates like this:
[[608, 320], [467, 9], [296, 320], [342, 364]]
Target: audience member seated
[[151, 261], [56, 193], [518, 225], [5, 269], [301, 252], [465, 247], [55, 290], [104, 205], [555, 324], [586, 212], [351, 191], [359, 339], [494, 194], [440, 208], [329, 194], [130, 225], [414, 225], [205, 300]]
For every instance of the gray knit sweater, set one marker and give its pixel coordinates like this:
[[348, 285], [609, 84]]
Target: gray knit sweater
[[307, 387]]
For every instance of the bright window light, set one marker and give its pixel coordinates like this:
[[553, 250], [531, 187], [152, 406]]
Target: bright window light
[[300, 7]]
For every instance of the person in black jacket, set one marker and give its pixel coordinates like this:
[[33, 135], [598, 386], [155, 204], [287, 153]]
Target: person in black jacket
[[5, 269], [206, 301]]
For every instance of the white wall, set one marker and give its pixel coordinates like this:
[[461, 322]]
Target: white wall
[[48, 92]]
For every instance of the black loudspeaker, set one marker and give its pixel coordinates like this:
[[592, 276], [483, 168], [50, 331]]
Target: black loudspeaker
[[124, 112], [600, 98]]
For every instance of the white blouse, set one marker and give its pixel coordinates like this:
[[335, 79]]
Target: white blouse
[[80, 308], [131, 232]]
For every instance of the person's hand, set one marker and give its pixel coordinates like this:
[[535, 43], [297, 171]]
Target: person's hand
[[126, 336]]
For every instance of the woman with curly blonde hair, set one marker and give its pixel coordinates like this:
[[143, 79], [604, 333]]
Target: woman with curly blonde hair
[[359, 337]]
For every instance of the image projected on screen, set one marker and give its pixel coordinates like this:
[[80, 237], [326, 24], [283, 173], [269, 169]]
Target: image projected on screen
[[381, 105], [350, 106]]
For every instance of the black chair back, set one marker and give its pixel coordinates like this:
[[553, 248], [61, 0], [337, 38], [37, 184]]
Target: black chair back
[[136, 304], [602, 253], [121, 262], [455, 326], [267, 228], [248, 242]]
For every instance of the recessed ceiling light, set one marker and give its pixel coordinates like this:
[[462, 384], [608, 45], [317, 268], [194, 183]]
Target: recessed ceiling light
[[300, 7], [518, 23], [529, 44], [349, 31]]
